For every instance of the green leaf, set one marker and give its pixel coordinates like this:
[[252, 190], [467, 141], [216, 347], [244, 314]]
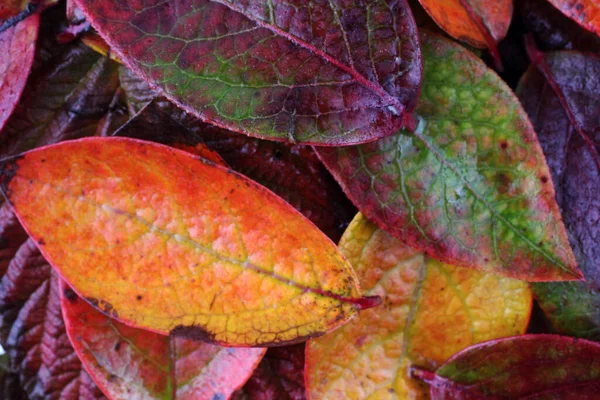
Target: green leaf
[[469, 187]]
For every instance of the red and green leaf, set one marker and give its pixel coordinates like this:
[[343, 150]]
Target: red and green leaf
[[158, 367], [585, 12], [334, 73], [564, 105], [17, 48], [521, 367], [158, 222], [430, 311], [470, 186]]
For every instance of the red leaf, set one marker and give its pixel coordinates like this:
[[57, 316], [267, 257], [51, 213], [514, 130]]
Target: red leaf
[[520, 367], [32, 331], [333, 73], [17, 48], [133, 363]]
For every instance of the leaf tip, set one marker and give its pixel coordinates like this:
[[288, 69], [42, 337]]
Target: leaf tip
[[422, 375], [368, 302]]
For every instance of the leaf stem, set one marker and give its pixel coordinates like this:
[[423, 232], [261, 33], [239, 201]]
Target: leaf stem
[[422, 375], [492, 44]]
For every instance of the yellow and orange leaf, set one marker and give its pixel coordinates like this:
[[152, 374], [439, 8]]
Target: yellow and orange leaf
[[158, 367], [431, 311], [479, 23], [165, 241]]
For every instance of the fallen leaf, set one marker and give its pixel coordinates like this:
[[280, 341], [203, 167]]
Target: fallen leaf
[[279, 376], [157, 366], [67, 98], [32, 331], [479, 23], [332, 74], [470, 186], [552, 29], [293, 172], [564, 106], [521, 367], [430, 311], [585, 12], [158, 222], [17, 47]]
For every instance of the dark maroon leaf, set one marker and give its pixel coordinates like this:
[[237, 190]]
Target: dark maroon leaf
[[65, 98], [313, 72], [564, 106], [552, 29], [292, 171], [33, 334], [279, 376]]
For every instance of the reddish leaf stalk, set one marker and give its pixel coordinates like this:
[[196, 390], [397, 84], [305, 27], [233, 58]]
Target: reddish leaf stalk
[[537, 58], [493, 46], [422, 375]]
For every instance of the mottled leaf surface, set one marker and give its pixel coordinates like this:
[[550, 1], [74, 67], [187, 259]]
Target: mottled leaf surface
[[32, 330], [572, 307], [431, 311], [471, 186], [293, 172], [159, 223], [315, 72], [523, 367], [17, 48], [157, 366], [585, 12], [480, 23], [279, 376]]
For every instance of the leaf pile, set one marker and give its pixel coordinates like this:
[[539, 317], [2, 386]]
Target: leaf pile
[[265, 200]]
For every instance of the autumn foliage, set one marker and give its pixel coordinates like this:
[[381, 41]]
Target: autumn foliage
[[264, 200]]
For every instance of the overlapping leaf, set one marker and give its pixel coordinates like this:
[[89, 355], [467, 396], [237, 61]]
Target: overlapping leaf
[[431, 310], [131, 363], [10, 8], [480, 23], [158, 223], [566, 121], [17, 47], [291, 171], [522, 367], [470, 186], [67, 97], [585, 12], [31, 326], [323, 73], [279, 376]]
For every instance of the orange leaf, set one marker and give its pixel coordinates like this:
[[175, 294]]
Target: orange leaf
[[479, 23], [160, 240], [158, 367], [431, 311]]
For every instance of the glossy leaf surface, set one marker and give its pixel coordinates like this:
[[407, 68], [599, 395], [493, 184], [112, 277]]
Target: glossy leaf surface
[[523, 367], [17, 48], [480, 23], [470, 186], [157, 366], [585, 12], [293, 172], [431, 311], [158, 222], [314, 72], [32, 330], [568, 133]]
